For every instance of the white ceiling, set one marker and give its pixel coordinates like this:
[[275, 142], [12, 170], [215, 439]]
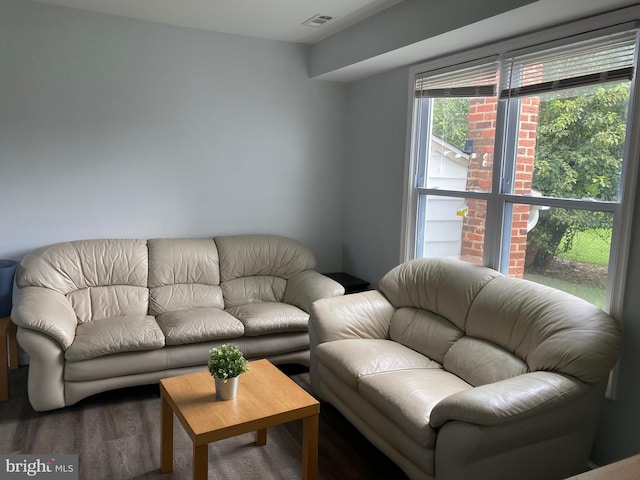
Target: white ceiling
[[268, 19]]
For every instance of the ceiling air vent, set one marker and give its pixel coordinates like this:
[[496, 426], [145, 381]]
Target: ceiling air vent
[[317, 20]]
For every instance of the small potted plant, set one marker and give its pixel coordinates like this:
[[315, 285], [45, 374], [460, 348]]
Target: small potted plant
[[225, 364]]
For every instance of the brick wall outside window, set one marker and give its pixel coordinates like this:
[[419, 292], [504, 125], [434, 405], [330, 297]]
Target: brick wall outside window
[[481, 129]]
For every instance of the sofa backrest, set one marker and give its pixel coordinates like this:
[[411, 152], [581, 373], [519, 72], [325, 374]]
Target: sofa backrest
[[113, 277], [255, 268], [548, 329], [432, 297], [485, 327], [184, 273], [100, 278]]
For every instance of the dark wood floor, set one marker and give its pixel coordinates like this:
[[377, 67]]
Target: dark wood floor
[[117, 436]]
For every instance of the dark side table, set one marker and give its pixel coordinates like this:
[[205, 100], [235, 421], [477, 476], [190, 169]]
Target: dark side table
[[8, 354], [350, 283]]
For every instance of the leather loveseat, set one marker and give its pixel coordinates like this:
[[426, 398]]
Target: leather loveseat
[[456, 372], [96, 315]]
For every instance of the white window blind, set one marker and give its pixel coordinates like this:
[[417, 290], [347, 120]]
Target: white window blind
[[600, 60], [480, 80]]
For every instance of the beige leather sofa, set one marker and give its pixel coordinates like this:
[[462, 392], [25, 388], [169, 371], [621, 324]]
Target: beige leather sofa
[[456, 372], [96, 315]]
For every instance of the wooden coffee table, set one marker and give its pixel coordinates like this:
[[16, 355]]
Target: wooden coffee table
[[266, 397], [627, 469]]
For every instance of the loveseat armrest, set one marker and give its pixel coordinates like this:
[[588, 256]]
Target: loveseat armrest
[[359, 315], [508, 400], [308, 286], [46, 311]]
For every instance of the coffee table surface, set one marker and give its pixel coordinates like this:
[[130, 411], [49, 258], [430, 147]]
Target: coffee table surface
[[266, 397]]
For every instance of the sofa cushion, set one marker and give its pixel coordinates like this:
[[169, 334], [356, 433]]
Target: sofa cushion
[[170, 298], [198, 325], [258, 255], [353, 359], [443, 286], [255, 268], [265, 318], [549, 329], [69, 266], [479, 362], [424, 332], [184, 273], [408, 396], [115, 335], [96, 303], [244, 290], [102, 278]]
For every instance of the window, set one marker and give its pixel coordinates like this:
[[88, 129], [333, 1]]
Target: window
[[520, 162]]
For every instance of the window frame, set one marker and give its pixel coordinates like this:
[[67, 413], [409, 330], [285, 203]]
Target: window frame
[[496, 200]]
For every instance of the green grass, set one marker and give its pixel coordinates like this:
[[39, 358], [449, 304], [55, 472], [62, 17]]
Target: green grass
[[591, 246], [590, 293]]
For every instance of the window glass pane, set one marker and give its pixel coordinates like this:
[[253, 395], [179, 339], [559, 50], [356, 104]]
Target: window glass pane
[[451, 227], [461, 144], [564, 248], [570, 144]]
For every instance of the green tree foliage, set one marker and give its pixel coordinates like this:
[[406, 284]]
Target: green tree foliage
[[579, 151], [450, 120]]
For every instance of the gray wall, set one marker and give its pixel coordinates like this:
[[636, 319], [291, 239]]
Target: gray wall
[[374, 174], [111, 127]]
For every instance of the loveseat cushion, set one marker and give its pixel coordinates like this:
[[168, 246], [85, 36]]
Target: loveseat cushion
[[265, 318], [353, 359], [115, 335], [549, 329], [443, 286], [198, 325], [424, 331], [407, 398], [479, 362]]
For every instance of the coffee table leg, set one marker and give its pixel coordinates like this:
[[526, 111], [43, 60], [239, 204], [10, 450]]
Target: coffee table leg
[[310, 447], [166, 436], [261, 437], [200, 461]]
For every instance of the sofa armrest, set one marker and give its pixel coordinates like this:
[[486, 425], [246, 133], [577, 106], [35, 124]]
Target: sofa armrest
[[308, 286], [512, 399], [359, 315], [46, 311], [46, 369]]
